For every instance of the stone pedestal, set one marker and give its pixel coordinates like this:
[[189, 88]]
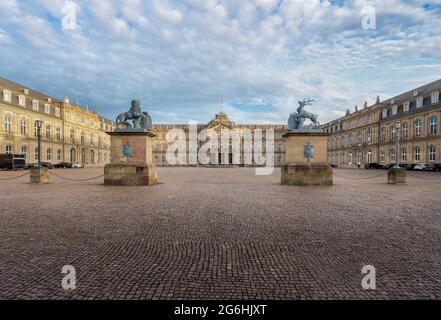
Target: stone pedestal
[[306, 159], [396, 176], [131, 161], [39, 175]]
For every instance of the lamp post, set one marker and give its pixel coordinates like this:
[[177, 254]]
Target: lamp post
[[38, 124], [397, 157]]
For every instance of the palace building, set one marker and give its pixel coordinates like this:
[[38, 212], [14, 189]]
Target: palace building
[[239, 133], [369, 134], [69, 133]]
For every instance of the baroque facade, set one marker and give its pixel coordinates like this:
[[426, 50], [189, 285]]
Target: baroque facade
[[239, 133], [69, 133], [369, 135]]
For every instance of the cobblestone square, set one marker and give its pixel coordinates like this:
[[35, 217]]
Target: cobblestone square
[[220, 233]]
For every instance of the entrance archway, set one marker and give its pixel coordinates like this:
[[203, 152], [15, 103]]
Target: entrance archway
[[73, 155]]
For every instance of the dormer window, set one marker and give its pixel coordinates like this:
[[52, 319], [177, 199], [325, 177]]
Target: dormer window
[[384, 113], [415, 93], [406, 106], [47, 108], [35, 105], [26, 91], [394, 109], [57, 112], [435, 97], [419, 102], [7, 95], [49, 99], [22, 100], [392, 101]]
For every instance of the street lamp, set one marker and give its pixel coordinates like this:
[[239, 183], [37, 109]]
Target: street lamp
[[397, 156], [38, 124]]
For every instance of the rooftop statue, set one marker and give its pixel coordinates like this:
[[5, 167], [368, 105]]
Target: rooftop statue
[[297, 119], [140, 121]]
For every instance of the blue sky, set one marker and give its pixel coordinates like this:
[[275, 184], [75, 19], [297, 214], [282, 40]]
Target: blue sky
[[179, 57]]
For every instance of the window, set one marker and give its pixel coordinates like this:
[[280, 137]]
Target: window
[[350, 140], [417, 153], [369, 136], [418, 127], [82, 137], [7, 95], [72, 135], [383, 134], [419, 102], [404, 154], [350, 158], [384, 113], [8, 149], [23, 127], [91, 139], [392, 155], [48, 132], [432, 153], [8, 124], [24, 151], [35, 105], [47, 108], [404, 131], [406, 106], [59, 155], [22, 100], [435, 97], [359, 137], [57, 112], [48, 154], [58, 133], [370, 118], [433, 125], [369, 156], [393, 132], [360, 120], [394, 109]]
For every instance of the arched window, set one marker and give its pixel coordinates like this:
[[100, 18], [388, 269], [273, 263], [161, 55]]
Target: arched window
[[432, 153], [8, 124], [383, 134], [393, 132], [433, 125], [23, 127], [404, 154], [417, 154], [404, 131], [418, 127], [8, 149], [369, 136]]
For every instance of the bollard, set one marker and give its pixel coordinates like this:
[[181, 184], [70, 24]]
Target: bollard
[[396, 175], [39, 175]]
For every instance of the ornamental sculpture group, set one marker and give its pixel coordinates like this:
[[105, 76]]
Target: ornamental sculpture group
[[131, 150]]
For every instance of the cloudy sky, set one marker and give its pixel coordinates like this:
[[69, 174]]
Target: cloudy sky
[[179, 57]]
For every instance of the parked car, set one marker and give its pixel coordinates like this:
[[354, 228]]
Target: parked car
[[388, 166], [76, 165], [333, 165], [43, 164], [419, 167], [408, 166], [430, 167], [373, 165], [63, 165], [12, 161], [438, 166]]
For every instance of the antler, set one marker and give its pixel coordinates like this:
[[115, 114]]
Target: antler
[[308, 100]]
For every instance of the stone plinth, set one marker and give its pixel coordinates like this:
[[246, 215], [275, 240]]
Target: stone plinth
[[302, 170], [396, 175], [39, 175], [131, 161]]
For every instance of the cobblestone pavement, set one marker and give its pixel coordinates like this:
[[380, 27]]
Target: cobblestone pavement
[[221, 233]]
